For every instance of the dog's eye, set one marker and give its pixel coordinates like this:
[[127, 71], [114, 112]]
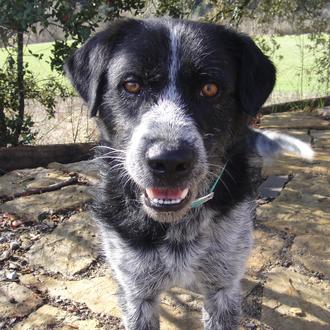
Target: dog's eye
[[209, 90], [132, 87]]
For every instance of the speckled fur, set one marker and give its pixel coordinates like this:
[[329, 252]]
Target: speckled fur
[[204, 249]]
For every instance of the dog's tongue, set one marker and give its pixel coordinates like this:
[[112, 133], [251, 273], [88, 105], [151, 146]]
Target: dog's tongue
[[160, 193]]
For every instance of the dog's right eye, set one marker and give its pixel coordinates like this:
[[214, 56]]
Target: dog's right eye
[[132, 87], [209, 90]]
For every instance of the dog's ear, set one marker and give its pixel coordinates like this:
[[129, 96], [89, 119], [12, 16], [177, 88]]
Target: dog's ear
[[257, 76], [87, 67]]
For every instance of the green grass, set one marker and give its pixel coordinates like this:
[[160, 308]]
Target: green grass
[[40, 67], [292, 70]]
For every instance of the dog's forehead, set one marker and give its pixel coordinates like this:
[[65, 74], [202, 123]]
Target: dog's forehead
[[158, 42]]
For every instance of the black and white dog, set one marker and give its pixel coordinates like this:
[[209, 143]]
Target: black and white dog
[[173, 100]]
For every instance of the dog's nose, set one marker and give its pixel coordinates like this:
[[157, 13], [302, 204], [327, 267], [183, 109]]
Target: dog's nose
[[170, 162]]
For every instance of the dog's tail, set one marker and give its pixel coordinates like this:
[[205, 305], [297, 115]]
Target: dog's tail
[[270, 144]]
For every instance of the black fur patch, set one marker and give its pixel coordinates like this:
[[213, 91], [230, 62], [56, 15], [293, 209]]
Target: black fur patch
[[207, 53], [152, 250]]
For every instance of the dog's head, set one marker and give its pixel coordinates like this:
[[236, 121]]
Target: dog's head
[[174, 96]]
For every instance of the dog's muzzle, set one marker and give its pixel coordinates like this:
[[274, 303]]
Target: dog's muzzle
[[169, 166], [170, 163]]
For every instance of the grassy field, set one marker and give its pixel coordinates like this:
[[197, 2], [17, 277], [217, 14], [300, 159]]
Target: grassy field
[[294, 62], [40, 68], [294, 77]]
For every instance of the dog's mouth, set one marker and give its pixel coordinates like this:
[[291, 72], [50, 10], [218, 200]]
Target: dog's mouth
[[166, 200]]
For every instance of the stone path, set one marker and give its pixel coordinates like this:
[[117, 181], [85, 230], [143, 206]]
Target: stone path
[[52, 275]]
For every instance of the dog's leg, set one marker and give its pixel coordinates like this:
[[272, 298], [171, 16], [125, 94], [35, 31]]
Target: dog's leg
[[222, 309], [141, 313]]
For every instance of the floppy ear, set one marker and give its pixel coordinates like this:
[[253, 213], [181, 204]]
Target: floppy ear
[[257, 77], [87, 67]]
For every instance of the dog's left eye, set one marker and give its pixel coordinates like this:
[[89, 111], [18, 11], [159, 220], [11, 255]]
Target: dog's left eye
[[132, 87], [209, 90]]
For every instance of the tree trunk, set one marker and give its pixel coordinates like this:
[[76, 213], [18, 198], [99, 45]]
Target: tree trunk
[[3, 128], [21, 91], [34, 156]]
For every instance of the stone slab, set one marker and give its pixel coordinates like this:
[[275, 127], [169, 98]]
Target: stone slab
[[265, 252], [272, 186], [73, 244], [99, 293], [294, 120], [288, 164], [180, 308], [302, 208], [34, 206], [321, 138], [36, 178], [313, 251], [50, 317], [16, 300], [86, 168], [324, 112], [247, 284], [294, 301]]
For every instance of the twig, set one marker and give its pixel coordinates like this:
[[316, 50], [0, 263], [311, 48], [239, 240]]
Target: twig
[[36, 191]]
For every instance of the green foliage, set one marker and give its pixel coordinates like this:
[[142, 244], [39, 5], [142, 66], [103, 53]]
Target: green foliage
[[302, 16], [175, 8], [45, 94], [320, 45], [19, 15], [77, 19]]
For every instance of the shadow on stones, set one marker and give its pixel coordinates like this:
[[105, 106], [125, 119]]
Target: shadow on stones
[[181, 302], [69, 249], [184, 321], [275, 318], [252, 302], [296, 218]]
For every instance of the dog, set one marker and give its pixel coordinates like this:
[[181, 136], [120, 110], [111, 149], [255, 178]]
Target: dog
[[173, 100]]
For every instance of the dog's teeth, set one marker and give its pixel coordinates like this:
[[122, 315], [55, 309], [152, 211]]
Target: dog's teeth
[[166, 201], [184, 193]]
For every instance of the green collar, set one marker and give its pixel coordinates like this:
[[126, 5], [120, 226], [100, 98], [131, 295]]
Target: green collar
[[200, 201]]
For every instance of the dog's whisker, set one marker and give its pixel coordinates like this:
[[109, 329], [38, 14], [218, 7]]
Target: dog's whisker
[[115, 153], [107, 147], [115, 167], [112, 159], [230, 175], [224, 168], [213, 176], [225, 185], [212, 165], [128, 180], [114, 156]]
